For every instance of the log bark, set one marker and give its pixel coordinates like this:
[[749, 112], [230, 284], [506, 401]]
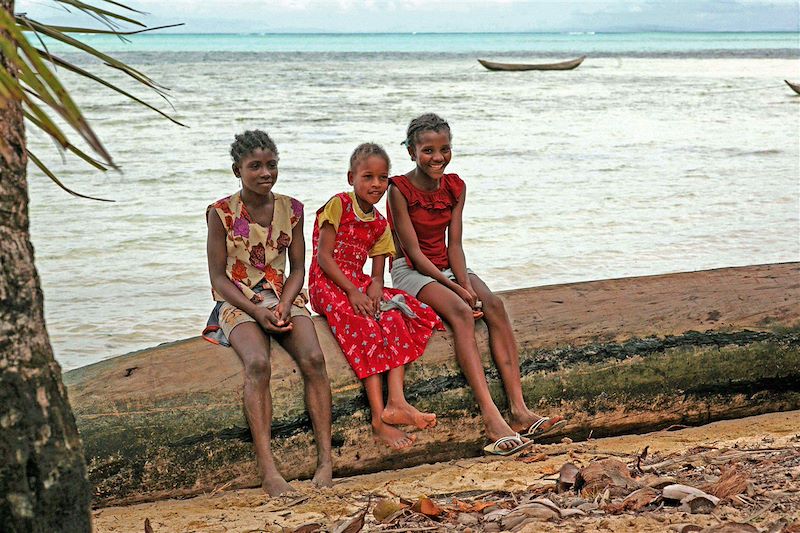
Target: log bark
[[614, 356], [43, 482]]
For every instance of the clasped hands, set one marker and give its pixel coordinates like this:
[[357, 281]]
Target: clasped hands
[[275, 320], [368, 304]]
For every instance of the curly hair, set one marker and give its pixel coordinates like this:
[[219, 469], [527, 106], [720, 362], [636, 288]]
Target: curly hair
[[248, 142], [365, 151], [423, 123]]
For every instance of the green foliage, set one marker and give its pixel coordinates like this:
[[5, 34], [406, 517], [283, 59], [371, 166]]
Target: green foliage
[[29, 78]]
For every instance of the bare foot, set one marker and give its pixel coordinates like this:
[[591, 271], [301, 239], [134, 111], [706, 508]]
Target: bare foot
[[407, 415], [392, 437], [521, 421], [275, 485], [323, 477]]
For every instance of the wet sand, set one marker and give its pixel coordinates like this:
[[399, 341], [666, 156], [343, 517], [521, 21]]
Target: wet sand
[[252, 511]]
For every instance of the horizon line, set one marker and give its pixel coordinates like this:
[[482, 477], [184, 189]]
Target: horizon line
[[560, 32]]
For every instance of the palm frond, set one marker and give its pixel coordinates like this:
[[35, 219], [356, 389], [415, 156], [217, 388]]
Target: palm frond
[[49, 174], [75, 29], [105, 14], [76, 69], [27, 78]]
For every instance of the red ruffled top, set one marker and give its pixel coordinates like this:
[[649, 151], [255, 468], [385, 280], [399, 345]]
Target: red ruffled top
[[430, 212]]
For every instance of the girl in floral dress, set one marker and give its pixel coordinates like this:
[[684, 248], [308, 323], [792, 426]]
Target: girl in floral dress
[[380, 330], [425, 211], [250, 233]]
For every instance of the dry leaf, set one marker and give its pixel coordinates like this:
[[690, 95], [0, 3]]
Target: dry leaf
[[549, 470], [548, 503], [385, 508], [147, 527], [567, 476], [354, 524], [606, 473], [634, 501], [698, 504], [426, 506], [731, 483], [526, 512], [474, 507]]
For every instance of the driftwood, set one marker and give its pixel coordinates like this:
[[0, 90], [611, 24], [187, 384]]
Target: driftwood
[[614, 356]]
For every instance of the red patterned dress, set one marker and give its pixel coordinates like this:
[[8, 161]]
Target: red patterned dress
[[371, 346]]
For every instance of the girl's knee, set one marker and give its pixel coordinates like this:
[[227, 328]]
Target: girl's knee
[[257, 369], [461, 318], [493, 305], [312, 364]]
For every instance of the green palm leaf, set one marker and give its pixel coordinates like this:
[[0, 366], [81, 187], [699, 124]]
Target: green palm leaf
[[29, 80]]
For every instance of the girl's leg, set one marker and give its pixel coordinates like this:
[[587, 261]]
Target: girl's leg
[[303, 345], [459, 315], [398, 411], [506, 356], [252, 346], [389, 435]]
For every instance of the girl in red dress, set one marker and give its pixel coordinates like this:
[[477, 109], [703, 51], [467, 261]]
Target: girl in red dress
[[380, 330], [424, 205]]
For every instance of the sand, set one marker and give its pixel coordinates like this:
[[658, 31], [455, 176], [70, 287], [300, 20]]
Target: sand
[[774, 493]]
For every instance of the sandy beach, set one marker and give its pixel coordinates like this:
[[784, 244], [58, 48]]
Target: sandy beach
[[774, 496]]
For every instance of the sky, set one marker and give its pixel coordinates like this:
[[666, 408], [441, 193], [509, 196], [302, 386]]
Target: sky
[[381, 16]]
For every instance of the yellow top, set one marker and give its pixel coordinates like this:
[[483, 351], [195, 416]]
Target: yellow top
[[332, 213]]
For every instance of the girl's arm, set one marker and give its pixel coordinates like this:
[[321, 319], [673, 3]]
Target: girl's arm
[[217, 258], [375, 289], [404, 230], [455, 250], [297, 271], [327, 239]]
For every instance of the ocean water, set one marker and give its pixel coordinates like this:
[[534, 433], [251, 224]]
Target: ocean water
[[661, 153]]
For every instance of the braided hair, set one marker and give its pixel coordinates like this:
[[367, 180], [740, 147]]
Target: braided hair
[[365, 151], [248, 142], [423, 123]]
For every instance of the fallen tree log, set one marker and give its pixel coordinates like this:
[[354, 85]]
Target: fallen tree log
[[614, 356]]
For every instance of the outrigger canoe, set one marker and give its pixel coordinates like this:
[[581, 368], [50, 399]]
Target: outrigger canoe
[[614, 357], [795, 86], [563, 65]]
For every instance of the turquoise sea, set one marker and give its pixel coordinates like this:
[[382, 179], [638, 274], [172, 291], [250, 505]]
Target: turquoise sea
[[662, 152], [602, 44]]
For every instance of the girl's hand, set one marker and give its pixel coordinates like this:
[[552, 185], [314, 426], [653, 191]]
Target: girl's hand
[[375, 295], [361, 303], [471, 291], [267, 319], [464, 294], [283, 314]]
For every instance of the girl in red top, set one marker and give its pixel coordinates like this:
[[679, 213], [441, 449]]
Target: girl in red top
[[379, 330], [424, 205]]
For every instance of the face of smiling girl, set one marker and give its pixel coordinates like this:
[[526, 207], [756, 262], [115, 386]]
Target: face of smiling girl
[[258, 171], [370, 179], [432, 152]]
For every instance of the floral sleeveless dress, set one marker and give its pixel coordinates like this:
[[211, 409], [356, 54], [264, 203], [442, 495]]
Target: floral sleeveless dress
[[256, 257], [371, 346]]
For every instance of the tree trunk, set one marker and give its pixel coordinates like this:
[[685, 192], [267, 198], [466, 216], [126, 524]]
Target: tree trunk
[[43, 483], [613, 356]]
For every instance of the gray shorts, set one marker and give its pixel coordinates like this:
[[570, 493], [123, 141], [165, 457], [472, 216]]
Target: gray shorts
[[409, 280]]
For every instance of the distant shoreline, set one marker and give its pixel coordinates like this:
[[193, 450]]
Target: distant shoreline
[[565, 32]]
